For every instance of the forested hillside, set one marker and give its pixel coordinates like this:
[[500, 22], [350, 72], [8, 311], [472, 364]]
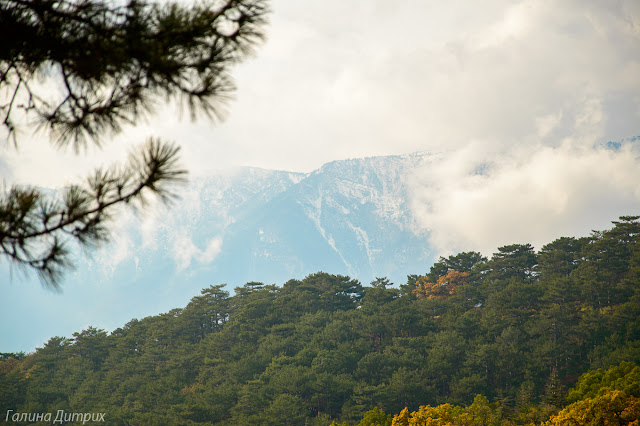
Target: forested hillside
[[519, 328]]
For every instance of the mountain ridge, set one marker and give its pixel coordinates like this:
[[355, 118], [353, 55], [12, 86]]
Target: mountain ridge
[[323, 206]]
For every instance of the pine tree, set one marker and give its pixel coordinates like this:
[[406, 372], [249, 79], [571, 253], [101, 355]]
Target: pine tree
[[110, 63]]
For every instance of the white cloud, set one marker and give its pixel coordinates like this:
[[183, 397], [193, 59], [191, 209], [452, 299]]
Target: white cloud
[[341, 79], [338, 80], [516, 21], [534, 90], [547, 124], [118, 249], [529, 196], [214, 246], [185, 251]]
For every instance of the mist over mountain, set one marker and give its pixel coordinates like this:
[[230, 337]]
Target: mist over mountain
[[373, 217], [366, 218], [349, 217]]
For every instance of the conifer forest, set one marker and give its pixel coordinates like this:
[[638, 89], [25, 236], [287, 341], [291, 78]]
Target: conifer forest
[[524, 337]]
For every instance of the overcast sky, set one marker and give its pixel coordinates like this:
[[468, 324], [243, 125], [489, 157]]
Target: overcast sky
[[522, 89], [514, 94]]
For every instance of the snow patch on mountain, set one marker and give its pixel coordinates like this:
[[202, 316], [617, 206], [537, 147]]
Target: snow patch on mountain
[[349, 217]]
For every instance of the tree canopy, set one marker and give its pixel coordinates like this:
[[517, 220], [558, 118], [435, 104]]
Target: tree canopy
[[508, 346]]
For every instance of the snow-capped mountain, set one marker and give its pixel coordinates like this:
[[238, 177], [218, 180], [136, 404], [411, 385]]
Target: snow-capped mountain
[[349, 217], [365, 218]]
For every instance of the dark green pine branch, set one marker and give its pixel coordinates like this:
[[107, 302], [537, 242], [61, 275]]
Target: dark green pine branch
[[111, 62], [35, 229], [114, 63]]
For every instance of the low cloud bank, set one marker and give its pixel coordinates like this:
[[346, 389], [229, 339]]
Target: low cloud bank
[[477, 200]]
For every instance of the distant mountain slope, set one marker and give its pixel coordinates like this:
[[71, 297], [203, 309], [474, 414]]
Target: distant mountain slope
[[348, 217]]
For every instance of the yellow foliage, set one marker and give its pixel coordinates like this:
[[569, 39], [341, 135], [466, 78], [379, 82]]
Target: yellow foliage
[[442, 415], [444, 287], [190, 389], [478, 413], [401, 419], [9, 365], [611, 408], [30, 371]]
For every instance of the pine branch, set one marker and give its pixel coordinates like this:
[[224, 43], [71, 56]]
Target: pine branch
[[35, 229], [113, 63]]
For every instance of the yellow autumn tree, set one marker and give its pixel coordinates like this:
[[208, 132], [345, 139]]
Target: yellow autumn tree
[[444, 287], [478, 413], [442, 415], [613, 407]]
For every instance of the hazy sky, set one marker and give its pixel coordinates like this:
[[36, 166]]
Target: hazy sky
[[523, 85], [351, 79], [514, 93]]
